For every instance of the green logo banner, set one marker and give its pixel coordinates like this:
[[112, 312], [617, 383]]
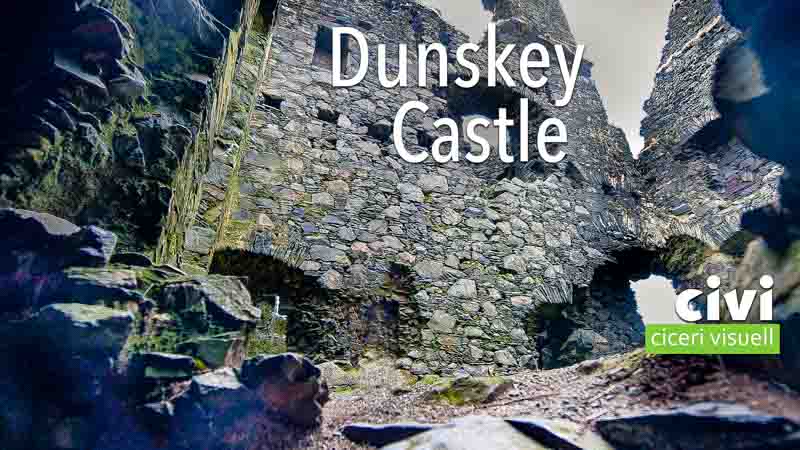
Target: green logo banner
[[713, 339]]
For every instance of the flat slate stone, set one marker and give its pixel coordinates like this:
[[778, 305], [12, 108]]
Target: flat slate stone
[[700, 427], [84, 329], [163, 366], [131, 259], [40, 243], [381, 435], [559, 435], [471, 433]]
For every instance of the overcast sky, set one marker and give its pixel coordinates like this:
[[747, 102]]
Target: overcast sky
[[623, 39]]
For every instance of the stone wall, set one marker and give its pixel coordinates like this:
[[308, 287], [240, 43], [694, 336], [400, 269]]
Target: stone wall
[[320, 186], [690, 192], [251, 164], [543, 17]]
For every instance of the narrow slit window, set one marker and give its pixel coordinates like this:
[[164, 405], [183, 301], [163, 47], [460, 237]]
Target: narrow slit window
[[323, 49]]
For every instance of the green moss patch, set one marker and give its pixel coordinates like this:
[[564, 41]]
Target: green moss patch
[[470, 390], [684, 254]]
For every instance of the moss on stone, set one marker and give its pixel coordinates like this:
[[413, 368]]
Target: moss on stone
[[187, 187], [431, 380], [121, 9], [257, 346], [344, 390], [794, 255], [147, 278], [472, 265], [684, 254], [467, 390], [166, 341], [627, 361]]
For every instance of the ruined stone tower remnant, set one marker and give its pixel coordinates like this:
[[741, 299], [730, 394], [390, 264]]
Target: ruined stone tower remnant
[[693, 192], [445, 265]]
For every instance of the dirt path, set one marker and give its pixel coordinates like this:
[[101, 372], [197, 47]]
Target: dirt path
[[582, 394]]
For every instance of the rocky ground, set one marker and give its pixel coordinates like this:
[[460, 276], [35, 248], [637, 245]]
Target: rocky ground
[[103, 349], [582, 395]]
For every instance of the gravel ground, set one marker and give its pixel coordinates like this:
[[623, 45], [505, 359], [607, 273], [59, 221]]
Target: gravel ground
[[582, 394]]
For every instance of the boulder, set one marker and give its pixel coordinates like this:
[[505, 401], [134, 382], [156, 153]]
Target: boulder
[[128, 86], [69, 71], [212, 300], [217, 351], [162, 366], [79, 329], [338, 373], [702, 426], [192, 19], [289, 385], [205, 414], [69, 352], [467, 389], [471, 433], [582, 344], [559, 434], [39, 243], [149, 374], [220, 388], [91, 286], [157, 416], [131, 259], [16, 406], [99, 33]]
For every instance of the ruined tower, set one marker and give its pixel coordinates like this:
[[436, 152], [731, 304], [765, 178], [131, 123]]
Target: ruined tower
[[688, 191]]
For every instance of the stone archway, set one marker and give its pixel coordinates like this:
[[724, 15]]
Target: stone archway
[[605, 317]]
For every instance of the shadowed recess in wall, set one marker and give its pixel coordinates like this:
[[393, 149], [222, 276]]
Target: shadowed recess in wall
[[633, 288], [321, 322]]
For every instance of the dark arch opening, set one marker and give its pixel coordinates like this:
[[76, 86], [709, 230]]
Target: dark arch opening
[[268, 278], [636, 286], [321, 323]]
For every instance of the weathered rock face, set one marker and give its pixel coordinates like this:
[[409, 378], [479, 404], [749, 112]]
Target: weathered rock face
[[39, 243], [134, 357], [451, 257], [734, 427], [540, 434], [113, 107], [694, 193], [708, 193]]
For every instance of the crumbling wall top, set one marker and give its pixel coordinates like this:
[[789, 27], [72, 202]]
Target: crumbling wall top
[[545, 17]]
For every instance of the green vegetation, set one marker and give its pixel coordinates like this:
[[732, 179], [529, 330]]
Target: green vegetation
[[164, 48], [794, 254], [260, 342], [684, 254], [121, 9], [431, 380], [343, 390], [165, 342]]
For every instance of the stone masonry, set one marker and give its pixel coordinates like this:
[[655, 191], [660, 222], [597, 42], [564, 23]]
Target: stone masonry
[[226, 149], [688, 192], [693, 193], [321, 187]]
